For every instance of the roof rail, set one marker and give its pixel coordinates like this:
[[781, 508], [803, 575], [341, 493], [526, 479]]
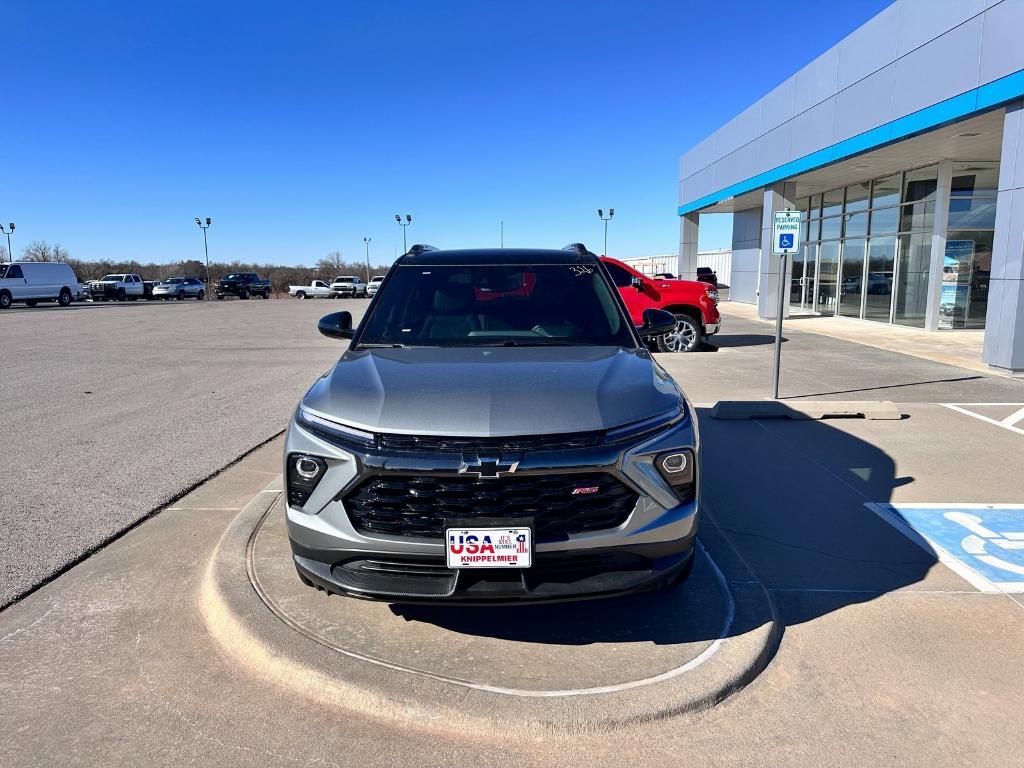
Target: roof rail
[[419, 248], [579, 249]]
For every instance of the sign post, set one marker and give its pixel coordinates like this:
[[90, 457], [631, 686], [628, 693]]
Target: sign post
[[785, 240]]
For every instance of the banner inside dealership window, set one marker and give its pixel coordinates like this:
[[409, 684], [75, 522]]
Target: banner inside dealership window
[[956, 282]]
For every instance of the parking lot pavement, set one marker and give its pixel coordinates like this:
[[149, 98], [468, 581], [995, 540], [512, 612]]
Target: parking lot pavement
[[736, 364], [887, 656], [111, 409]]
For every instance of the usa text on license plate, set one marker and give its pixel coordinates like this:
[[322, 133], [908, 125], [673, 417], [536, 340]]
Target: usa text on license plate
[[488, 547]]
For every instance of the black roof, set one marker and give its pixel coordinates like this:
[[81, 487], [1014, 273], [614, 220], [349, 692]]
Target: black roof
[[496, 256]]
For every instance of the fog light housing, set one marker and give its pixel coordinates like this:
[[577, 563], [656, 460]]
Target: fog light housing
[[304, 474], [679, 470]]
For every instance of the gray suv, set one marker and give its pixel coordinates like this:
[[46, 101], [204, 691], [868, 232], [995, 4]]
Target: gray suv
[[496, 432]]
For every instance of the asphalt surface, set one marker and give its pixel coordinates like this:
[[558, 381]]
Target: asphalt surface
[[736, 364], [887, 656], [111, 410]]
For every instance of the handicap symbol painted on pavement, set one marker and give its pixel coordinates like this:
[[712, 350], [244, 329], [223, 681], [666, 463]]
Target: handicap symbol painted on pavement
[[786, 240], [983, 543]]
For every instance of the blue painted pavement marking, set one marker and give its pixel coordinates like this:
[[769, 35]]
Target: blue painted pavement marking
[[983, 543]]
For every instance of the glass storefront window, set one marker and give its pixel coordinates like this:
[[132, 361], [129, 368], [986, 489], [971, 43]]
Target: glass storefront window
[[828, 277], [815, 205], [832, 202], [856, 225], [975, 179], [919, 215], [851, 286], [921, 184], [885, 220], [973, 212], [831, 228], [886, 191], [966, 268], [912, 279], [878, 285], [857, 197]]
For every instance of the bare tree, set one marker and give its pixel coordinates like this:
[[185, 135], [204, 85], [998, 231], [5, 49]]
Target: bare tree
[[40, 250], [332, 263]]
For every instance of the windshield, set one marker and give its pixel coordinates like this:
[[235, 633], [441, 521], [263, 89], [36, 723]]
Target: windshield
[[235, 276], [344, 279], [174, 281], [111, 279], [377, 280], [497, 305]]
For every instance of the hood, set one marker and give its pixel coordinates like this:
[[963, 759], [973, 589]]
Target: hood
[[493, 392]]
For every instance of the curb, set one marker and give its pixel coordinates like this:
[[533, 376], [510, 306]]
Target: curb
[[254, 637]]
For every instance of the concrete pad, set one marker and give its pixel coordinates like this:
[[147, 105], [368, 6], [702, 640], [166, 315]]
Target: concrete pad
[[538, 648], [447, 669], [804, 409]]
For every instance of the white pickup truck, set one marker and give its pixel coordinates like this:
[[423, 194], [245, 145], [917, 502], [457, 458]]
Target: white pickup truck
[[316, 289]]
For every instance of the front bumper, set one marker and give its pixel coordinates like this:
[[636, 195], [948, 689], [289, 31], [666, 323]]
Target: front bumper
[[554, 576], [653, 543], [711, 329]]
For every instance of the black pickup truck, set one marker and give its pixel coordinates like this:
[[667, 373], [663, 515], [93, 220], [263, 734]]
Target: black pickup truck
[[243, 285]]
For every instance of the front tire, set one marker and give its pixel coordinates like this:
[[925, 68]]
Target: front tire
[[180, 296], [64, 299], [201, 295], [121, 296], [685, 338], [5, 300], [244, 295]]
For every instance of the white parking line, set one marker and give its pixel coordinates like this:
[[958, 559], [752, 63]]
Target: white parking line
[[1003, 423], [1014, 417]]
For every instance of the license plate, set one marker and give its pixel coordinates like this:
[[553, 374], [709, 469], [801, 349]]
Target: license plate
[[489, 547]]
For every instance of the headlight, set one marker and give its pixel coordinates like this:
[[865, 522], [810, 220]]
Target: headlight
[[331, 428], [304, 474], [679, 470]]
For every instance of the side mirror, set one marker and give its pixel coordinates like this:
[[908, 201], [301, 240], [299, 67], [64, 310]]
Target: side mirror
[[657, 322], [637, 283], [337, 325]]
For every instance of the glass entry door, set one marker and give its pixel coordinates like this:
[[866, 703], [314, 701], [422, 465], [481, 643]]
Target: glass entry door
[[827, 278], [801, 284]]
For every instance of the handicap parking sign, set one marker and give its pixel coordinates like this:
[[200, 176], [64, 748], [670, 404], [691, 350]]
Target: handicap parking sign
[[984, 543], [786, 240]]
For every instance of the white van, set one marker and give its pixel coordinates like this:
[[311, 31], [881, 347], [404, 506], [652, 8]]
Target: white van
[[34, 281]]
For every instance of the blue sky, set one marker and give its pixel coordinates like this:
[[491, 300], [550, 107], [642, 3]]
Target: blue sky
[[303, 127]]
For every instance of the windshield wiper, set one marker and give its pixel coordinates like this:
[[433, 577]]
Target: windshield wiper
[[532, 343], [371, 345]]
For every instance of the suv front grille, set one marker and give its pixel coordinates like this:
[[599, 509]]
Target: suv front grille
[[404, 505], [442, 444]]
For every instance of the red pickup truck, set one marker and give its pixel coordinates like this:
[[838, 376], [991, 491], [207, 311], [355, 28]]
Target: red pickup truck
[[694, 304]]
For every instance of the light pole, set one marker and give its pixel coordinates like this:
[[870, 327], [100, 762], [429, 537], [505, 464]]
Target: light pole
[[8, 231], [600, 213], [367, 241], [206, 250], [403, 225]]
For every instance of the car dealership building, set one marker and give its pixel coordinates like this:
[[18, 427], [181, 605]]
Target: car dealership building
[[903, 147]]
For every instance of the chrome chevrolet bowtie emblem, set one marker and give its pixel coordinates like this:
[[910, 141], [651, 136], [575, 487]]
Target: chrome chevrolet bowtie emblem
[[487, 468]]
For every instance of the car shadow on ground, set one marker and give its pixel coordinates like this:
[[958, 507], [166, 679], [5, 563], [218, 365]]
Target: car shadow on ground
[[783, 505], [720, 341]]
